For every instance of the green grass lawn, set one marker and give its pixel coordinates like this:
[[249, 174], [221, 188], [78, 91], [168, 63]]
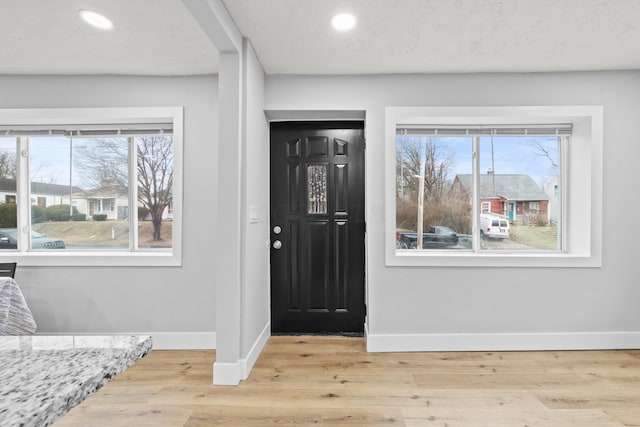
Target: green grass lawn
[[540, 237], [105, 233]]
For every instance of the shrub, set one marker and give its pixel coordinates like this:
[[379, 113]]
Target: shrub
[[78, 217], [542, 222], [100, 217], [59, 213], [8, 215], [450, 212], [38, 214]]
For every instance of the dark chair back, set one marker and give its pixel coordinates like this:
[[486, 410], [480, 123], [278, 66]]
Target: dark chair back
[[7, 269]]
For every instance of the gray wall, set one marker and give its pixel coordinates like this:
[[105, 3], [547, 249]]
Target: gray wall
[[255, 306], [134, 299], [426, 301], [401, 300]]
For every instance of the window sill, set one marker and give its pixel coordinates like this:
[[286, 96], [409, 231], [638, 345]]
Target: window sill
[[490, 259]]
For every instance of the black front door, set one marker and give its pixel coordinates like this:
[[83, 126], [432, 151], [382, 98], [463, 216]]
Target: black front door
[[317, 227]]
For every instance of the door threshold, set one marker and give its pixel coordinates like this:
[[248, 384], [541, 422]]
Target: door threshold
[[318, 334]]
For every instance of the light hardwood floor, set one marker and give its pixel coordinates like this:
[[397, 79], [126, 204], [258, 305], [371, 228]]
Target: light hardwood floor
[[334, 381]]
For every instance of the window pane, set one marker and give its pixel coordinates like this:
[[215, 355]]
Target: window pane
[[155, 191], [431, 200], [317, 189], [8, 206], [79, 192], [519, 182]]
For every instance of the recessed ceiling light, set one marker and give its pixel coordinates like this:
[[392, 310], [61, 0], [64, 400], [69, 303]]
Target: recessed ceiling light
[[343, 21], [95, 19]]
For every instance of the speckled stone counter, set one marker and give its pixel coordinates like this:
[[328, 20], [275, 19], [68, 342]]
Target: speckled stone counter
[[43, 377]]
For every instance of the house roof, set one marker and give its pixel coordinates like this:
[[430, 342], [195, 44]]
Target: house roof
[[9, 185], [509, 186], [108, 191]]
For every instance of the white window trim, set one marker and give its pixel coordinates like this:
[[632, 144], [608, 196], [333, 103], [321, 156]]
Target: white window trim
[[80, 116], [582, 215]]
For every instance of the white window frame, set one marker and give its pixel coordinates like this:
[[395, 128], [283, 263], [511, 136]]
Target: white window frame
[[582, 185], [101, 116]]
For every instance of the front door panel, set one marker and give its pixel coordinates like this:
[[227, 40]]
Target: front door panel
[[317, 227]]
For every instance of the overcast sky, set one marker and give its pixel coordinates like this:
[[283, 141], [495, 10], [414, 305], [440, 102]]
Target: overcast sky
[[49, 158], [511, 155]]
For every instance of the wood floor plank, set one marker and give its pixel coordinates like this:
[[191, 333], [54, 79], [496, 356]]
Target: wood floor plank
[[206, 417], [441, 399], [493, 418], [334, 381], [339, 396], [503, 381], [622, 403], [125, 416]]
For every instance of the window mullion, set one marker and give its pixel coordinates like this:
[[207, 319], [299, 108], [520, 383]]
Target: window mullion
[[23, 194], [475, 199], [564, 171], [133, 195]]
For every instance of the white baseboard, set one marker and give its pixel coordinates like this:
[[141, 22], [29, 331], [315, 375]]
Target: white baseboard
[[503, 342], [233, 373], [251, 359], [227, 373]]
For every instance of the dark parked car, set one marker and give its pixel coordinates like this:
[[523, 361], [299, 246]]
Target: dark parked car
[[9, 240], [435, 237]]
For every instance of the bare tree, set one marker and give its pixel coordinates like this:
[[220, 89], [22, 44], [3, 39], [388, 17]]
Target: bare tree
[[546, 148], [155, 177], [7, 165], [437, 167], [104, 162], [424, 164], [541, 150], [437, 164]]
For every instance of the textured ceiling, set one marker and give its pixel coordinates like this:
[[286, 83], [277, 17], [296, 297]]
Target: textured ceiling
[[151, 37], [435, 36], [160, 37]]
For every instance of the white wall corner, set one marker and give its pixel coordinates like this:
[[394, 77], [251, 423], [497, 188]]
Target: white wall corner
[[252, 357], [504, 342]]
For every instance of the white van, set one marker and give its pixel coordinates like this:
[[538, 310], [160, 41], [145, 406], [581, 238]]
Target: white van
[[495, 226]]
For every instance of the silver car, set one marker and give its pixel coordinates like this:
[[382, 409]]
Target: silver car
[[9, 240]]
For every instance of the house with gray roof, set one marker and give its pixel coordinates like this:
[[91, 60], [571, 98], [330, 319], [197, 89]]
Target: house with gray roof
[[42, 193], [515, 196]]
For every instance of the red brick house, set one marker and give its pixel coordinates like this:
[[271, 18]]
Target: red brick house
[[515, 196]]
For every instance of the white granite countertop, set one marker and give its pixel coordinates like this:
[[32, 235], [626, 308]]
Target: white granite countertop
[[43, 377]]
